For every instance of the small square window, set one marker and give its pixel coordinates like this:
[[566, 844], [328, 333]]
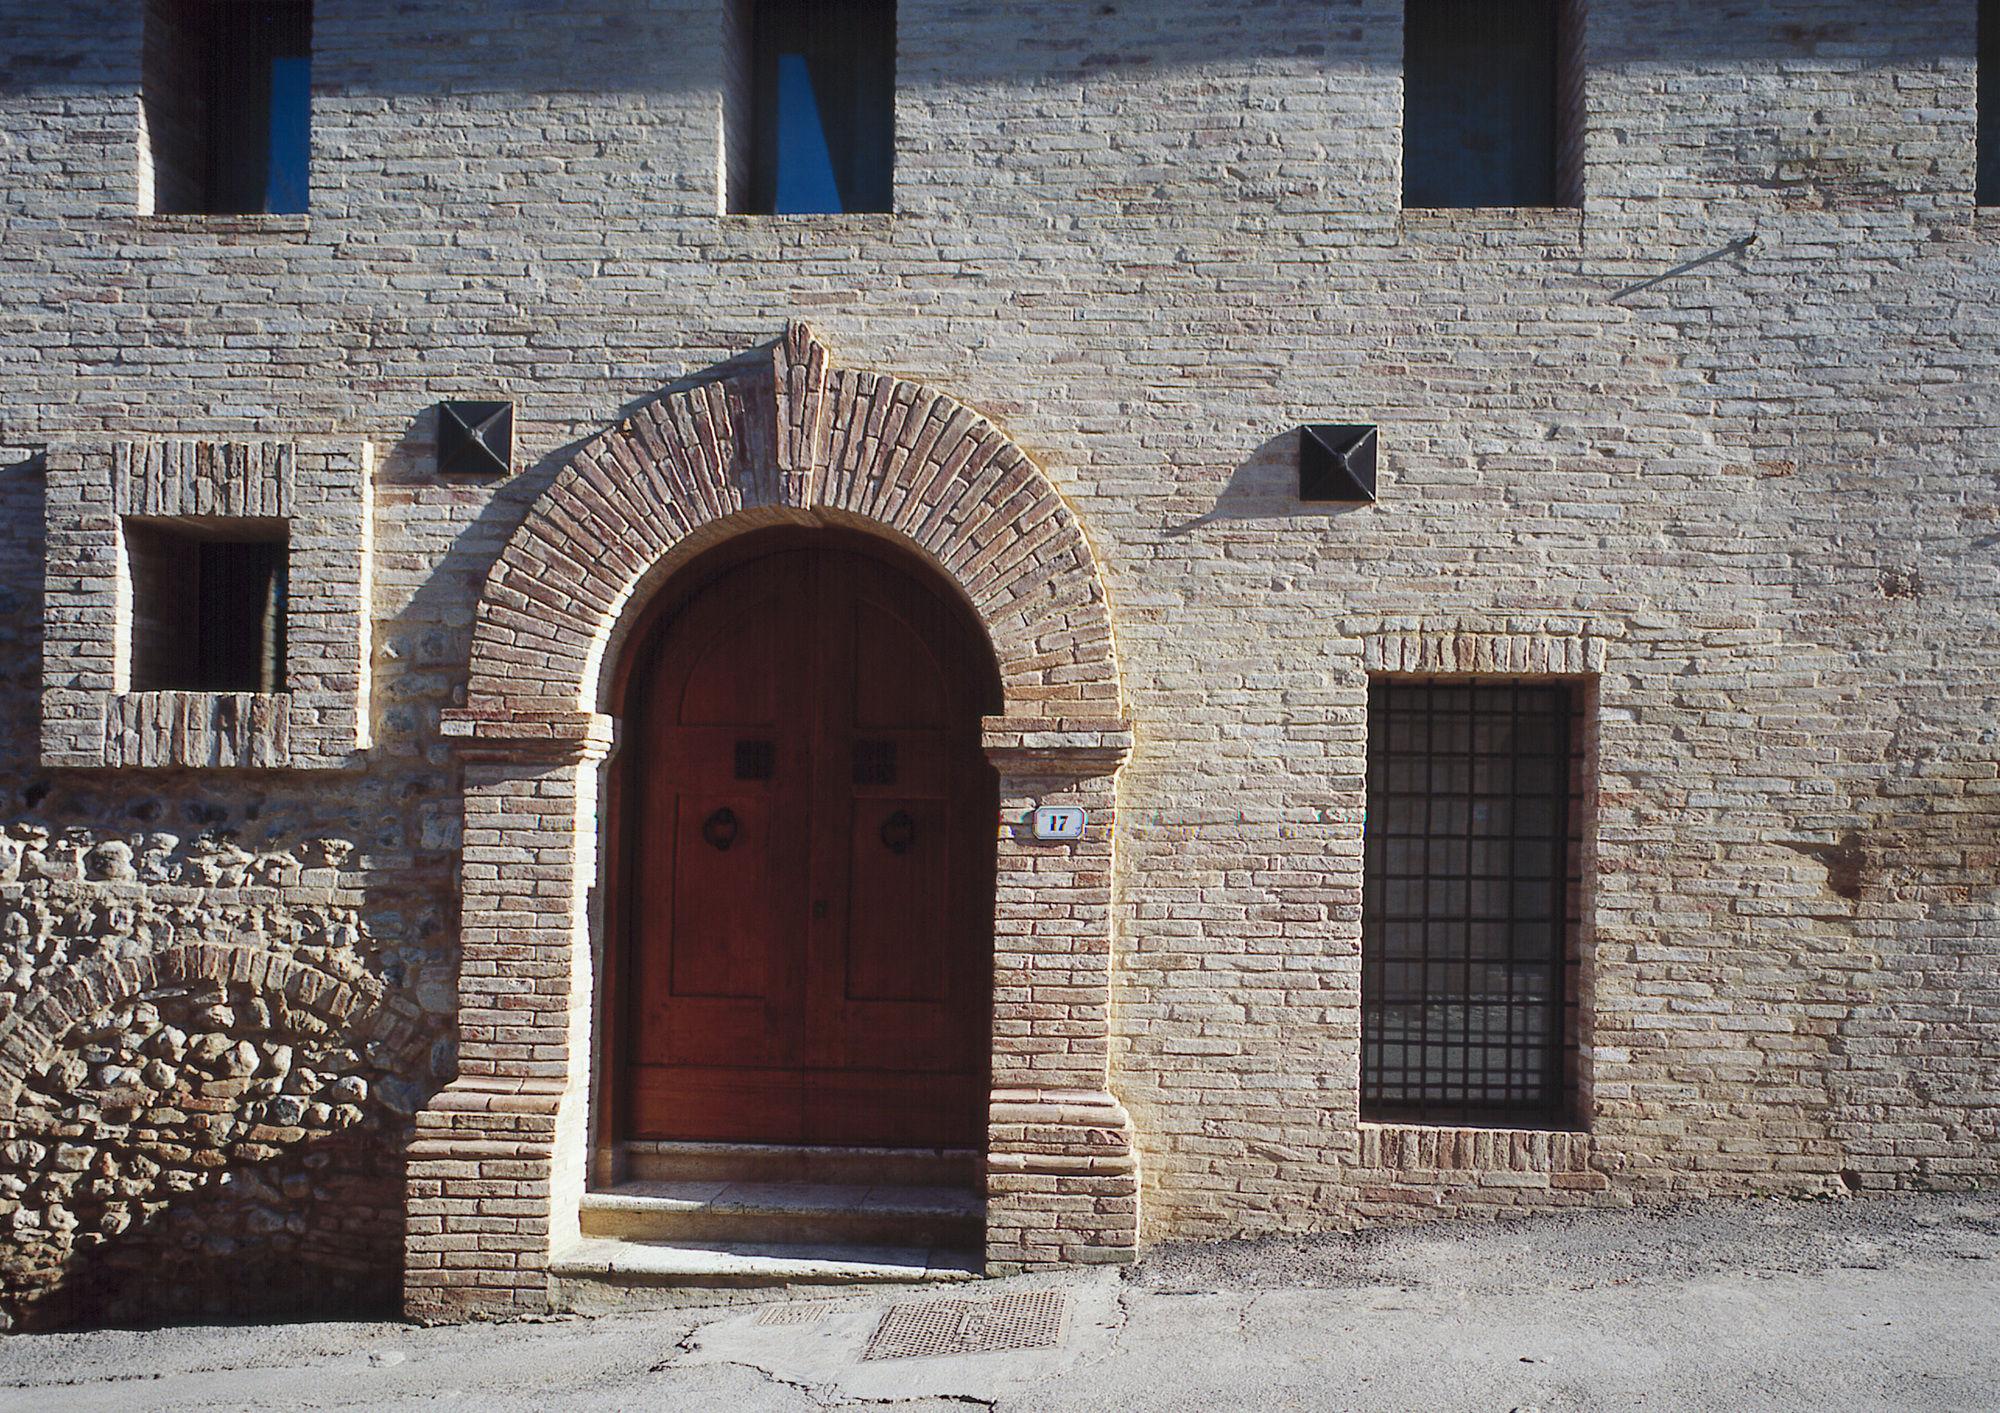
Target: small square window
[[228, 105], [819, 105], [208, 609], [1488, 94]]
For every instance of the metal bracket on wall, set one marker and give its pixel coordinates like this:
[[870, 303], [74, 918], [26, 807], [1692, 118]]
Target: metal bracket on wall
[[475, 438], [1336, 462]]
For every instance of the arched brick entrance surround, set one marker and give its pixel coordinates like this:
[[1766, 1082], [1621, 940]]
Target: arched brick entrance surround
[[499, 1159]]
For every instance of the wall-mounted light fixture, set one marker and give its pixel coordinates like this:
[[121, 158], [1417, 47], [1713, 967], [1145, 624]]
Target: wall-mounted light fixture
[[1336, 463]]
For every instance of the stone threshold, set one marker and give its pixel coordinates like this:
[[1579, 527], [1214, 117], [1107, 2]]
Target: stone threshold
[[821, 1214], [750, 1264]]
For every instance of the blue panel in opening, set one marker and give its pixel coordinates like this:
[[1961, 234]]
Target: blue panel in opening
[[825, 108], [805, 180], [291, 134]]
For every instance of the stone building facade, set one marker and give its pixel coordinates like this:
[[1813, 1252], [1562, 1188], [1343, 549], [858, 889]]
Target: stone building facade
[[303, 992]]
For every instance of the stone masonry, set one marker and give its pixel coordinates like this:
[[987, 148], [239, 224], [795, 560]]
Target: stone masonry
[[296, 991]]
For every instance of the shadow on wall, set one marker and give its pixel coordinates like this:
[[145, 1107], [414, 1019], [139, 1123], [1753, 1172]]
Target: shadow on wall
[[1266, 487], [228, 1142], [447, 591], [206, 1151]]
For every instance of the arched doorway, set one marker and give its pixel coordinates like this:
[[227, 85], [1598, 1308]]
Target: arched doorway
[[783, 436], [805, 853]]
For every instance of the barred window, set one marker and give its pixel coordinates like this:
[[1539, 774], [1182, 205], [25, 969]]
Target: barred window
[[208, 605], [1466, 1007]]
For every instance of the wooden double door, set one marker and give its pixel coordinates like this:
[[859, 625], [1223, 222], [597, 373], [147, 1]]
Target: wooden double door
[[810, 890]]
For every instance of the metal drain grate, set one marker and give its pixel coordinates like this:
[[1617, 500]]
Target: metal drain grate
[[790, 1314], [1030, 1320]]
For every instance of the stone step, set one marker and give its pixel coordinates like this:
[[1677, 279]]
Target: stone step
[[816, 1214], [601, 1275], [770, 1162]]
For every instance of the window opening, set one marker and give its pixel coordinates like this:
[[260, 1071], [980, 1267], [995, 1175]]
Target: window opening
[[228, 92], [823, 108], [1467, 1006], [1482, 124], [208, 610]]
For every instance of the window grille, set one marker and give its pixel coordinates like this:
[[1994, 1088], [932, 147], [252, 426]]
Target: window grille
[[1468, 894], [208, 613]]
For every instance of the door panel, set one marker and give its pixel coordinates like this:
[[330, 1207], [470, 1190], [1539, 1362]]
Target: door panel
[[730, 679], [812, 867], [897, 680], [715, 874], [723, 905], [898, 907]]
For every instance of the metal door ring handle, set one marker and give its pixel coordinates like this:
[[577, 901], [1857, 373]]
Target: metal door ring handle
[[899, 831], [719, 829]]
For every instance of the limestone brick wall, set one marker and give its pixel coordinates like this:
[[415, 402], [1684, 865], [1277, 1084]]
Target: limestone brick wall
[[1146, 239]]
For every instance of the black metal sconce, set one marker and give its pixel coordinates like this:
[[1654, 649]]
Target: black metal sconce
[[1336, 463], [475, 438]]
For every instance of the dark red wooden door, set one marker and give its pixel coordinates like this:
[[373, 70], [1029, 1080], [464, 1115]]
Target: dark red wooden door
[[812, 862]]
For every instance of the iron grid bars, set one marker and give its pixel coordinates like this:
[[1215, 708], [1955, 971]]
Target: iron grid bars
[[1464, 981]]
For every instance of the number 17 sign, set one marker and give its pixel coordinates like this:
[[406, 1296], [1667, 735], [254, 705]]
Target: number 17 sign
[[1058, 822]]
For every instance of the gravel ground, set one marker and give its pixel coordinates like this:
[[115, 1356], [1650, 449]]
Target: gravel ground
[[1883, 1303]]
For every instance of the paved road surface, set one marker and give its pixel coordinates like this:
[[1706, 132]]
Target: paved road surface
[[1889, 1303]]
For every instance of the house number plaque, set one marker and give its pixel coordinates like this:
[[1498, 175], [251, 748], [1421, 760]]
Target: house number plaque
[[1058, 822]]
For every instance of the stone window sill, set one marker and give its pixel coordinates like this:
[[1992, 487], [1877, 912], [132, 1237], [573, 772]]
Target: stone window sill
[[237, 224], [1407, 1148], [1495, 226], [245, 730], [811, 220]]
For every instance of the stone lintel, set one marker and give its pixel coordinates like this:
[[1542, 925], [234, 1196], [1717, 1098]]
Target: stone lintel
[[1477, 651]]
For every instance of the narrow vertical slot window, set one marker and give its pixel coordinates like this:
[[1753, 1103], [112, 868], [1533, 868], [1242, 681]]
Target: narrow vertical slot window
[[1988, 101]]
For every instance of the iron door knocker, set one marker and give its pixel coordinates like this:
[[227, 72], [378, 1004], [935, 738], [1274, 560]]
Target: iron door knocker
[[899, 831], [719, 829]]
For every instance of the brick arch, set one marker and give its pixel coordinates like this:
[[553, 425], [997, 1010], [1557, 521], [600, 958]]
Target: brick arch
[[34, 1036], [778, 436], [782, 434]]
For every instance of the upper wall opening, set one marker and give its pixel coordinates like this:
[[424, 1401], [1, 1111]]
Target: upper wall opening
[[228, 106], [1492, 103], [810, 106], [1988, 100]]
